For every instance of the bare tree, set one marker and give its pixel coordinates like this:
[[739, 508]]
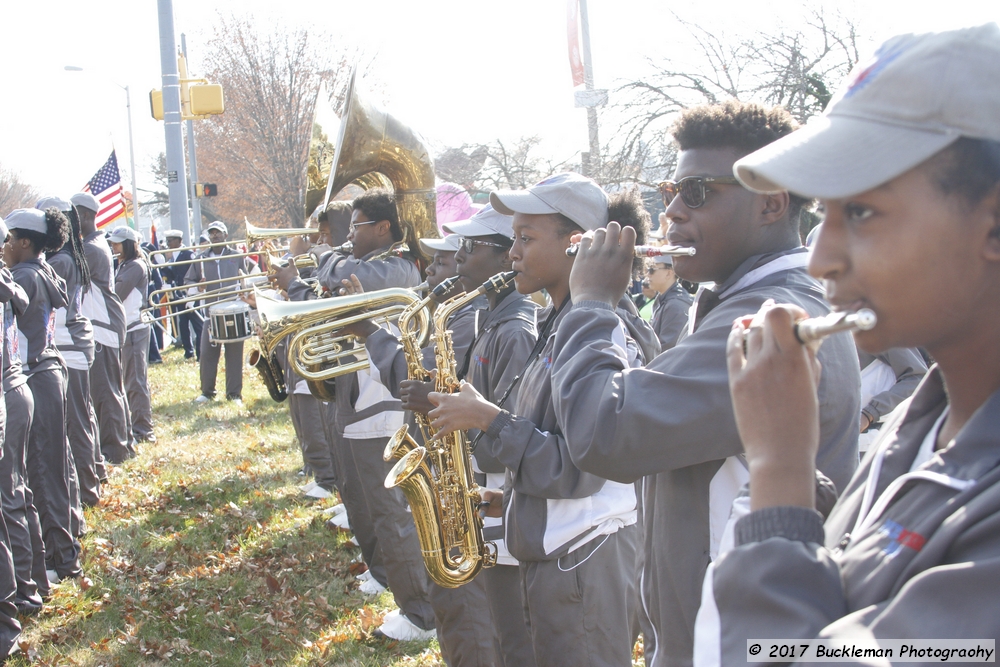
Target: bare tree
[[15, 193], [481, 168], [257, 151], [793, 67]]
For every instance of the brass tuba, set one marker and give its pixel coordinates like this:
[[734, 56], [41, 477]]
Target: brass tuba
[[437, 478], [375, 149]]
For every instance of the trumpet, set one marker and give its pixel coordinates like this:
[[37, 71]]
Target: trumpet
[[817, 328], [644, 250], [219, 295]]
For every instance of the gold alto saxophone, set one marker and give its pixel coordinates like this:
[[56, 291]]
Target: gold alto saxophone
[[409, 335], [437, 478]]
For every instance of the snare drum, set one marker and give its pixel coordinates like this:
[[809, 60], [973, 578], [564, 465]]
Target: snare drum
[[230, 322]]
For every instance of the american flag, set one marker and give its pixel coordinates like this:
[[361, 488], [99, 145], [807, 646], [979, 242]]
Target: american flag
[[106, 185]]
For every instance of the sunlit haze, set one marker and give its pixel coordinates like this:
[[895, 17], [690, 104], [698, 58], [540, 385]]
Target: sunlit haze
[[458, 71]]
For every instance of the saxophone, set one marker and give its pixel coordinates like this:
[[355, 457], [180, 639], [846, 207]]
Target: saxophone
[[437, 478], [401, 442]]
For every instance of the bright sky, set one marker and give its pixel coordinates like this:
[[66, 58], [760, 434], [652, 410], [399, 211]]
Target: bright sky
[[458, 71]]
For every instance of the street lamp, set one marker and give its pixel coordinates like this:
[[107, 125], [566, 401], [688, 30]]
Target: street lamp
[[131, 144]]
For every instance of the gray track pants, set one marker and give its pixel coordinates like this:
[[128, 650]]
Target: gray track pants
[[462, 618], [395, 532], [208, 365], [20, 515], [81, 427], [578, 608], [48, 474], [503, 590], [107, 390], [135, 362], [309, 417]]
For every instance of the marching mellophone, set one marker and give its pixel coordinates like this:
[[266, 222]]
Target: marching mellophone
[[644, 250]]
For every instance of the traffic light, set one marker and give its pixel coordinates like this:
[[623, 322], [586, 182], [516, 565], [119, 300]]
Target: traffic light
[[205, 189]]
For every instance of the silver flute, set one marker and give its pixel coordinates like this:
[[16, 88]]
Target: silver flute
[[818, 328], [644, 250]]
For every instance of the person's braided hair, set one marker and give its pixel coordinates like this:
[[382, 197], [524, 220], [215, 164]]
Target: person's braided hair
[[76, 248]]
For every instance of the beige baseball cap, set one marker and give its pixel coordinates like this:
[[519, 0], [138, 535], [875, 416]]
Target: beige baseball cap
[[577, 197], [914, 97]]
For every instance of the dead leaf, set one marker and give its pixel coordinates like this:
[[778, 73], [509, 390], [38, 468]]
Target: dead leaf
[[273, 585]]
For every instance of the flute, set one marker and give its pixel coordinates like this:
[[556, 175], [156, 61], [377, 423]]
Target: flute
[[644, 250], [818, 328]]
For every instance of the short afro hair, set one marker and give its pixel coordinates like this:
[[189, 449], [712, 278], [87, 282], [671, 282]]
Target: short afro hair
[[742, 126]]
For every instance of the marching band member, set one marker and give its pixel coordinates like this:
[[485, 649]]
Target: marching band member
[[19, 513], [906, 163], [368, 415], [33, 232], [221, 267], [670, 311], [573, 533], [505, 335], [75, 340], [131, 282], [188, 320], [670, 424], [104, 309]]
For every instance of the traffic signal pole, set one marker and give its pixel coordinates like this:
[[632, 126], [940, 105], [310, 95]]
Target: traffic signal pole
[[176, 177], [192, 161]]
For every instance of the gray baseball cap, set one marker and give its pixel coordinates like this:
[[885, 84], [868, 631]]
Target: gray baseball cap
[[577, 197], [914, 97], [486, 222], [86, 200], [53, 202], [123, 233], [449, 243]]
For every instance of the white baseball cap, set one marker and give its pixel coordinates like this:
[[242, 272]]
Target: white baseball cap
[[219, 225], [3, 229], [86, 200], [486, 222], [448, 243], [53, 202], [914, 97], [27, 218], [577, 197], [173, 234], [123, 233]]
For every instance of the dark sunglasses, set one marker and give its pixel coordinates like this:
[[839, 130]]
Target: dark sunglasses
[[468, 245], [691, 189]]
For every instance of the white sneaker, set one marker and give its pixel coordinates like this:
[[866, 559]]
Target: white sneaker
[[354, 541], [202, 399], [53, 577], [339, 508], [318, 492], [341, 521], [306, 488], [371, 586], [364, 576], [398, 627]]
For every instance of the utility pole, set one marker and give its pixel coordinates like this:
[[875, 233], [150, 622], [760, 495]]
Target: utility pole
[[176, 177], [192, 161], [588, 82]]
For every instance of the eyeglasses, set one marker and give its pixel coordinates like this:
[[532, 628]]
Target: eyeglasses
[[355, 225], [691, 189], [657, 267], [468, 245]]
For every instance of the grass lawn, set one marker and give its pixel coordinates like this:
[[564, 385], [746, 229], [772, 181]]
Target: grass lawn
[[204, 552]]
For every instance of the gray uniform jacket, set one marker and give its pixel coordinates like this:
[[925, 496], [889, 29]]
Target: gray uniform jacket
[[507, 335], [909, 368], [361, 411], [671, 424], [923, 560], [131, 282], [12, 300], [74, 332], [36, 325], [551, 506], [670, 315], [101, 304], [223, 267], [386, 352]]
